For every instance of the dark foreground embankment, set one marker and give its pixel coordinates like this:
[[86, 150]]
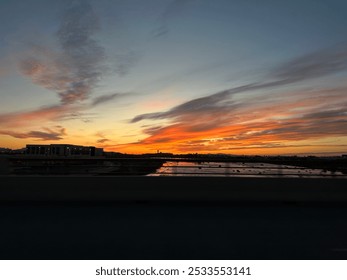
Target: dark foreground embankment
[[180, 188], [194, 218]]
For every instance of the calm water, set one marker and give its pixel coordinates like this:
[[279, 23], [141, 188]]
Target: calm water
[[239, 169]]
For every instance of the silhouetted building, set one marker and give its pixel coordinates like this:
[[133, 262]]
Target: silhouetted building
[[7, 151], [63, 150]]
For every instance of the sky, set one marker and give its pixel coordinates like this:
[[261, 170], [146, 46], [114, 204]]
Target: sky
[[241, 77]]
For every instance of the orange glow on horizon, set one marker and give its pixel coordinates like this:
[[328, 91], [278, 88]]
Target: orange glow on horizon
[[294, 124]]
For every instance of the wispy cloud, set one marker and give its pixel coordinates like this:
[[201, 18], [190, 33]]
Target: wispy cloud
[[71, 69], [222, 122], [49, 113], [103, 140], [313, 65], [203, 105], [74, 69], [47, 134], [106, 98]]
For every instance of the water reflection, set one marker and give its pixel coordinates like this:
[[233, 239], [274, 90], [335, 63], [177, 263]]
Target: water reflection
[[182, 168]]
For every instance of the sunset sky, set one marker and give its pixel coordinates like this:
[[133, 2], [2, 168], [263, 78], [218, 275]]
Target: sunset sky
[[182, 76]]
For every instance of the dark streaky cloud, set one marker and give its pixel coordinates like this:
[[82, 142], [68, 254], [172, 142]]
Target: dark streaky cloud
[[46, 135], [313, 65], [324, 62], [103, 140], [106, 98]]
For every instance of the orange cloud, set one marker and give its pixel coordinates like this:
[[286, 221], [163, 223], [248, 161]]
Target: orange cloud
[[39, 116], [46, 134], [253, 125]]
